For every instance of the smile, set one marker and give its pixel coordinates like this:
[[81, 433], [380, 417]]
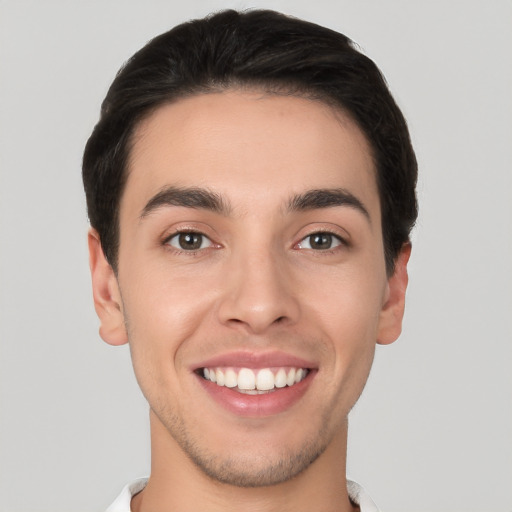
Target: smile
[[255, 385], [255, 382]]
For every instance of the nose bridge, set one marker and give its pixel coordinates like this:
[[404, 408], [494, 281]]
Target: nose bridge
[[258, 290]]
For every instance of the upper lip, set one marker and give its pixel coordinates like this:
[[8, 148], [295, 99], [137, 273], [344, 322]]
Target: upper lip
[[251, 359]]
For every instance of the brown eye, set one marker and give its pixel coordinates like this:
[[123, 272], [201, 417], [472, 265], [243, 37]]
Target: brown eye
[[320, 241], [189, 241]]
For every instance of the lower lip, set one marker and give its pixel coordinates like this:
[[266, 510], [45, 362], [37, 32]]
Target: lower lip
[[255, 406]]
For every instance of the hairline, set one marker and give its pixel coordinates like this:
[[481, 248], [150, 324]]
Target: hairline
[[267, 88]]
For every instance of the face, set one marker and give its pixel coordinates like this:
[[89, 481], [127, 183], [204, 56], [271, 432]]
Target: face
[[251, 281]]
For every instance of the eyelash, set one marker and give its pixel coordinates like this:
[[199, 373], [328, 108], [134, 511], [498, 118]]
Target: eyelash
[[342, 242], [192, 252]]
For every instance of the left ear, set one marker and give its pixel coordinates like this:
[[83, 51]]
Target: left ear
[[392, 313]]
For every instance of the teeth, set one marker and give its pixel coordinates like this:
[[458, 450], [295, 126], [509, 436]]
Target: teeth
[[265, 380], [280, 379], [230, 379], [290, 378], [246, 379], [219, 377], [255, 382], [254, 391]]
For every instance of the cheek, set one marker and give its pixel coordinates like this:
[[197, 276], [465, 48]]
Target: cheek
[[348, 300], [166, 300], [162, 310], [348, 306]]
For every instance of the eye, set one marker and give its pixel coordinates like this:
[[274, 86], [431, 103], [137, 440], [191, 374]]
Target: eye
[[189, 241], [320, 241]]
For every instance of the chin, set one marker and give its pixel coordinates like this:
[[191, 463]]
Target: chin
[[250, 459], [253, 469]]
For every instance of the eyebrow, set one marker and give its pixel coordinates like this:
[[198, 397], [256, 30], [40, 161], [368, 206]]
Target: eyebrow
[[204, 199], [327, 198], [189, 197]]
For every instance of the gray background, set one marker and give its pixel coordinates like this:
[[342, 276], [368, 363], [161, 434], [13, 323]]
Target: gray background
[[432, 431]]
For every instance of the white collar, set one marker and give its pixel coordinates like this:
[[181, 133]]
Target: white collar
[[122, 504]]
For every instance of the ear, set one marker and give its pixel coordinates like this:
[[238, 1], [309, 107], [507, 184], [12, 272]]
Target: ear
[[107, 298], [392, 313]]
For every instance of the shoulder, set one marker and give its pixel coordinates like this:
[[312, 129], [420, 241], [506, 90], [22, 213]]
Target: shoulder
[[122, 502], [360, 497]]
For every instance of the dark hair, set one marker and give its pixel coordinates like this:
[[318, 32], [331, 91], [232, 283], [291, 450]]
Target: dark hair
[[257, 49]]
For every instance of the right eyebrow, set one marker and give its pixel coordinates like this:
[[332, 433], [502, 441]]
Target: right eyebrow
[[188, 197]]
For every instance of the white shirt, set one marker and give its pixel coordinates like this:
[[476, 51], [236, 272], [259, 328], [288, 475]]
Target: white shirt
[[122, 504]]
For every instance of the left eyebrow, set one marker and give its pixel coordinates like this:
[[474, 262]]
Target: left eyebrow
[[327, 198]]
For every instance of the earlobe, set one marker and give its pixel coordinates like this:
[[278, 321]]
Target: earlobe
[[390, 322], [107, 298]]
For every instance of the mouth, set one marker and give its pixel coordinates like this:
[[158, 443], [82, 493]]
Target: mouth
[[256, 385], [254, 381]]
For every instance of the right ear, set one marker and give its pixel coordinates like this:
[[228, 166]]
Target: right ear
[[107, 297]]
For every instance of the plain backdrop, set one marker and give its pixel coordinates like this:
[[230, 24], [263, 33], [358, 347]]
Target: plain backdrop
[[432, 431]]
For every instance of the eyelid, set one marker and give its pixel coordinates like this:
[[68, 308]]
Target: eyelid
[[184, 228], [335, 231], [334, 236], [338, 242], [187, 232]]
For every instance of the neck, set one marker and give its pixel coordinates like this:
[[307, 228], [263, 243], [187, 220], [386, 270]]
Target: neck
[[176, 483]]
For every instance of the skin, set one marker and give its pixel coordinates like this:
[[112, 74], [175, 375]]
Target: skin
[[256, 285]]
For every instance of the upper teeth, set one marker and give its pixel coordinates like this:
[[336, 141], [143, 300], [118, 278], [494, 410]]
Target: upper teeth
[[246, 379]]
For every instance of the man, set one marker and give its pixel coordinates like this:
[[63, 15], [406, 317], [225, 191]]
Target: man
[[251, 190]]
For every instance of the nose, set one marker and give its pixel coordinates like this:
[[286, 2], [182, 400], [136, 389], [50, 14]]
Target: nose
[[258, 293]]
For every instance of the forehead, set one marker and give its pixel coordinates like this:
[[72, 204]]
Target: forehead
[[251, 147]]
